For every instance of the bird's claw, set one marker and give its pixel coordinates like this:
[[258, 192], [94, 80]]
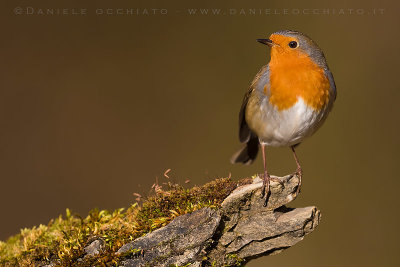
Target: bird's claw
[[266, 190], [299, 174]]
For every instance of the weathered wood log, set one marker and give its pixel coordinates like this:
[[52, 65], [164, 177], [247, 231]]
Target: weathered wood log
[[241, 230]]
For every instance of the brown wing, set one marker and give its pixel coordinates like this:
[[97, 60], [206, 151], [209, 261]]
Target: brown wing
[[244, 131], [248, 152]]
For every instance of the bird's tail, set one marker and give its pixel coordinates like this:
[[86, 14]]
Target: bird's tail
[[247, 153]]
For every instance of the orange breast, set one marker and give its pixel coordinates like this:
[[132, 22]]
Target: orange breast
[[293, 76]]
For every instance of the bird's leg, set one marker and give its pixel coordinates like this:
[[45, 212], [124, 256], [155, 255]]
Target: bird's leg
[[266, 181], [299, 171]]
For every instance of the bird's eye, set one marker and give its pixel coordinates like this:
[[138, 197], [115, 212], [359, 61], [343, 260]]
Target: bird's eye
[[293, 44]]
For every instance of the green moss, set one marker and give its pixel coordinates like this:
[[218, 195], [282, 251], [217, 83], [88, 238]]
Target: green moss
[[237, 261], [63, 239]]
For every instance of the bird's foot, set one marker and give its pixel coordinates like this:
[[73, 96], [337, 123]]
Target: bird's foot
[[263, 190], [299, 174], [266, 191]]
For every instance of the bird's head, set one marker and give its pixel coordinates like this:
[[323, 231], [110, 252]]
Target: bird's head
[[293, 44]]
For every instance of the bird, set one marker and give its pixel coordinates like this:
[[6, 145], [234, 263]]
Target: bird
[[287, 101]]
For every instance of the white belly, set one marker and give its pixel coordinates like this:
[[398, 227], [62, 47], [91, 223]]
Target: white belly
[[287, 127]]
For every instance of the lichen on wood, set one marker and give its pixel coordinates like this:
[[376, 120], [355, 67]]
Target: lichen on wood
[[222, 223]]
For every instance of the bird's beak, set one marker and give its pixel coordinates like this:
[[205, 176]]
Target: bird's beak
[[266, 42]]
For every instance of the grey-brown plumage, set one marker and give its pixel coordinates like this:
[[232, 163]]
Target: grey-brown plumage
[[288, 100], [248, 153]]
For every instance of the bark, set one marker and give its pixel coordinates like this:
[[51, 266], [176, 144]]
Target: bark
[[241, 230]]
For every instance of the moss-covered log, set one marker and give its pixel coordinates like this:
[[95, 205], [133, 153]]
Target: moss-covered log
[[222, 223]]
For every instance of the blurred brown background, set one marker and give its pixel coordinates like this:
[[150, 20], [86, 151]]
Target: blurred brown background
[[95, 107]]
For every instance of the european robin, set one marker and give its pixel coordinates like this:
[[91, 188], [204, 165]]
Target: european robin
[[287, 101]]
